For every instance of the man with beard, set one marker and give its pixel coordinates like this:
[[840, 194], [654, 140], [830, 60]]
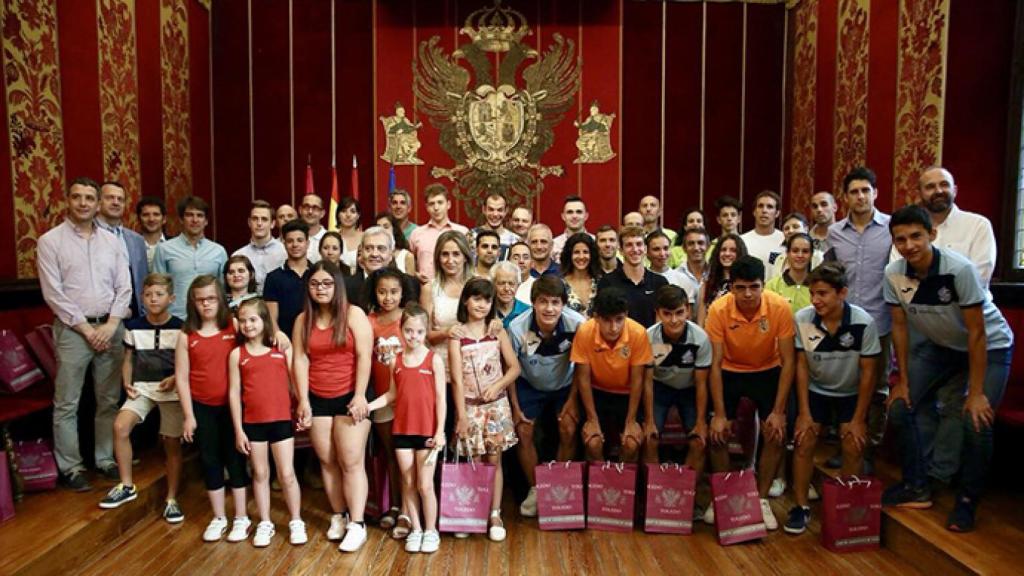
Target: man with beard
[[190, 253], [823, 214], [968, 233]]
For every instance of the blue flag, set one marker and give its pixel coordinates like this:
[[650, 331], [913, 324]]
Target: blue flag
[[391, 181]]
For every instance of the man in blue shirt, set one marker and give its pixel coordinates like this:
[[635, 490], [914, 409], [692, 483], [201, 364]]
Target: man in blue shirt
[[542, 339], [190, 253], [285, 288], [861, 243], [963, 356]]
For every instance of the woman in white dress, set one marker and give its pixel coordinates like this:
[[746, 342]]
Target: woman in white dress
[[453, 267]]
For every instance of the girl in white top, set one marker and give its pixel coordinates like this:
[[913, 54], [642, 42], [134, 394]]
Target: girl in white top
[[453, 267], [351, 231]]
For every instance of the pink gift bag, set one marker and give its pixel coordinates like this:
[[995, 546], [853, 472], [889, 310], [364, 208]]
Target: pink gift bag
[[378, 497], [737, 507], [465, 496], [611, 496], [17, 369], [36, 464], [560, 503], [851, 514], [671, 489], [6, 494]]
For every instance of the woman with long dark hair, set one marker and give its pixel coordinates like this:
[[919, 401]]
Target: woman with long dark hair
[[727, 250], [581, 268]]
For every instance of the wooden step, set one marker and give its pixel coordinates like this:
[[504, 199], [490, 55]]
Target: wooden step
[[920, 537]]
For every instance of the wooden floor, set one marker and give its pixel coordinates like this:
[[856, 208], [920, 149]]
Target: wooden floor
[[65, 533]]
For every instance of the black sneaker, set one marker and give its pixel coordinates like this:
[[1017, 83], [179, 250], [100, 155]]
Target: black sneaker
[[118, 495], [961, 519], [906, 496], [172, 512], [75, 482], [111, 473], [798, 518]]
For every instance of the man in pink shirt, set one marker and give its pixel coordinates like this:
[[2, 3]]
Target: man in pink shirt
[[423, 238]]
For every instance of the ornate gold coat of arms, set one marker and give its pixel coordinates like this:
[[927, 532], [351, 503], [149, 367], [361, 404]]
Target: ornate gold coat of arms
[[494, 131], [594, 139], [402, 139]]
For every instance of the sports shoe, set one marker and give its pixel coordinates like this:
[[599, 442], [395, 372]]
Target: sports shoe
[[172, 512], [797, 522], [431, 542], [239, 529], [264, 532], [118, 495], [961, 519], [215, 529], [414, 541], [777, 489], [907, 496], [496, 531], [769, 517], [709, 515], [111, 473], [461, 535], [76, 482], [529, 506], [812, 493], [337, 529], [355, 537], [297, 532]]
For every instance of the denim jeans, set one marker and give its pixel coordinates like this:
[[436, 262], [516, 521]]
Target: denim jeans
[[74, 355], [938, 377]]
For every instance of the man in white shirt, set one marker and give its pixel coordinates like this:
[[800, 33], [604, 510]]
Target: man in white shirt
[[265, 252], [765, 241], [312, 212], [968, 233], [152, 215], [574, 214]]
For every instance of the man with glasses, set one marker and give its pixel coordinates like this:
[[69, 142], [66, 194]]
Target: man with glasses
[[312, 212]]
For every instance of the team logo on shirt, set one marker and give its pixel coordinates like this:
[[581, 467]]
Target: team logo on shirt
[[945, 296], [688, 357], [625, 351], [763, 325], [846, 340]]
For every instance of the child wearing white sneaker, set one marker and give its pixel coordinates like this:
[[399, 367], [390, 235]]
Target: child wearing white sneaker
[[258, 393], [200, 369], [418, 394]]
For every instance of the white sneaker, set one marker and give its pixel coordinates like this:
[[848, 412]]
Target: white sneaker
[[264, 532], [297, 532], [239, 529], [215, 529], [777, 489], [709, 515], [414, 541], [529, 506], [496, 531], [337, 528], [812, 494], [431, 542], [769, 517], [355, 537]]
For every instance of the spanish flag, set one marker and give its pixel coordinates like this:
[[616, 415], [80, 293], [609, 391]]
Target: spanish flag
[[332, 216]]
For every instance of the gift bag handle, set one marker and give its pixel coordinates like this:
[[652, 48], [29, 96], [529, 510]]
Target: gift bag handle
[[617, 466], [553, 462]]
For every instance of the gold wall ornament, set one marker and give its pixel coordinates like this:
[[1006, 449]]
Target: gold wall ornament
[[402, 138], [594, 137], [495, 132]]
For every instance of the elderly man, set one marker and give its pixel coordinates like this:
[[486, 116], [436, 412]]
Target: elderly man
[[378, 251], [111, 211], [84, 277]]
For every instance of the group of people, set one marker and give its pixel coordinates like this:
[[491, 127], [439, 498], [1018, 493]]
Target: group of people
[[490, 338]]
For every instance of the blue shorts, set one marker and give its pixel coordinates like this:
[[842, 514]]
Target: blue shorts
[[533, 402], [822, 407], [685, 400]]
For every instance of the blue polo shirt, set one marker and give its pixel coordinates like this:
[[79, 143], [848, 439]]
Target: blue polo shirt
[[184, 263], [675, 362], [833, 360], [545, 362], [934, 303], [288, 289]]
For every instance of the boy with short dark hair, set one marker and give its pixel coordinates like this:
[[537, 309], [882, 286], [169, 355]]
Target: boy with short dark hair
[[148, 379]]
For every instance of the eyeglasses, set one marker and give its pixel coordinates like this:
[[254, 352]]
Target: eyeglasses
[[311, 207], [207, 300], [317, 284]]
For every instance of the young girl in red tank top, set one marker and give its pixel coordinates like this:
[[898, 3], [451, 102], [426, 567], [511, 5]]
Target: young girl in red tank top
[[385, 301], [479, 380], [259, 392], [417, 393]]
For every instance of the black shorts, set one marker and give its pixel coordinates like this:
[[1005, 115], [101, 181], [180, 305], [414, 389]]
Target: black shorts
[[272, 432], [612, 410], [411, 441], [822, 407], [330, 406], [760, 387]]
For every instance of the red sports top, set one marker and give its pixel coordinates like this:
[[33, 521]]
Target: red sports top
[[331, 369], [208, 366], [387, 342], [265, 396], [415, 412]]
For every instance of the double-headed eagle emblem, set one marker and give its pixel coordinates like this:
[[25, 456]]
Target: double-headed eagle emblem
[[494, 131]]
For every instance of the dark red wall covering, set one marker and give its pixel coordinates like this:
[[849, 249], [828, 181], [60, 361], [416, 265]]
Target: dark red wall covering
[[723, 104], [199, 98], [763, 103], [826, 86], [682, 110], [151, 148], [270, 102], [311, 72], [354, 66], [8, 258], [882, 73], [79, 87], [641, 92]]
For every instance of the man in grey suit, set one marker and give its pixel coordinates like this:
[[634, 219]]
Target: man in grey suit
[[113, 200]]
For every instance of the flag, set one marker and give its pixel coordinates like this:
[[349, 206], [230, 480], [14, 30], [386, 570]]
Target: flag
[[355, 179], [332, 216], [309, 175], [391, 182]]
